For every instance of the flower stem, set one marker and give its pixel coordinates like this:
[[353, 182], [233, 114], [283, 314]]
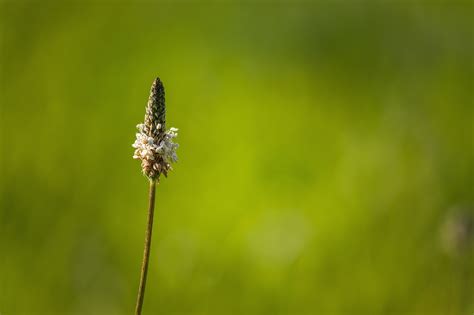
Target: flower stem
[[146, 251]]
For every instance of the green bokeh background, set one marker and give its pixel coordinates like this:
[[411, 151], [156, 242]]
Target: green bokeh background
[[326, 150]]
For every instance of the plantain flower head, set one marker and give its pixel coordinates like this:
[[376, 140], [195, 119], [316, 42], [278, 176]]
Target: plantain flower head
[[154, 145]]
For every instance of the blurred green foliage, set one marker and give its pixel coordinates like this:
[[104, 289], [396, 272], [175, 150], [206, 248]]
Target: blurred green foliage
[[326, 159]]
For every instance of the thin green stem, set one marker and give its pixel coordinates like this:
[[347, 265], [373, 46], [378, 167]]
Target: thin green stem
[[146, 251]]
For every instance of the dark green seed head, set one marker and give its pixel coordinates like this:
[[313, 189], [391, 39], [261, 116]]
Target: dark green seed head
[[155, 111]]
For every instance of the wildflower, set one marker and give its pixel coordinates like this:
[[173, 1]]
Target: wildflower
[[154, 145]]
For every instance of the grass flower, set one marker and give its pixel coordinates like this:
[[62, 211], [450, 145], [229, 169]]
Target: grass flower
[[154, 145]]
